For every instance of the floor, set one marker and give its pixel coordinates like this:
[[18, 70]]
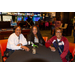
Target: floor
[[48, 34]]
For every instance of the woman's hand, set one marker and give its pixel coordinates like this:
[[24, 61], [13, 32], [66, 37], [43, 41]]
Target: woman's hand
[[25, 48], [19, 44], [52, 48]]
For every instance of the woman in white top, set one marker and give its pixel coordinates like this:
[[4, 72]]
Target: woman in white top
[[16, 41]]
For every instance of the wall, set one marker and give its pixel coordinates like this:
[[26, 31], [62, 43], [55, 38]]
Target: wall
[[65, 16], [71, 15], [58, 14]]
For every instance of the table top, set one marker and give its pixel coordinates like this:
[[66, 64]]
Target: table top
[[43, 54]]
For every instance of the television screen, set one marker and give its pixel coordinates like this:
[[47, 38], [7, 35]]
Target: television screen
[[35, 18], [7, 18], [19, 18], [25, 18]]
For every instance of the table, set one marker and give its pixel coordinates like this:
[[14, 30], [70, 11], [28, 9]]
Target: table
[[4, 34], [43, 55]]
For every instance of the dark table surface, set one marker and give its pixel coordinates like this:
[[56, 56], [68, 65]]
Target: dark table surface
[[43, 55]]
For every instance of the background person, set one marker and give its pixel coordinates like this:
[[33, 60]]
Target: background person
[[57, 23], [46, 25], [53, 25]]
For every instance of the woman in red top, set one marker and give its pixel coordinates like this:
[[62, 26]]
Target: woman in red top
[[62, 43]]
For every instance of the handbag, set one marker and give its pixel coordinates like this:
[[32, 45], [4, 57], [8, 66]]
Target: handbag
[[8, 53], [68, 56]]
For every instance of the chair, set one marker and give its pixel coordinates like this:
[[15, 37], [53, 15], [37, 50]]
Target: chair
[[72, 49], [45, 39], [3, 44]]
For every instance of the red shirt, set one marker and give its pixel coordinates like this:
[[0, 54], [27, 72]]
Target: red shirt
[[57, 24]]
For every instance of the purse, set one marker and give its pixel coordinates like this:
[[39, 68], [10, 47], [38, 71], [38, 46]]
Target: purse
[[8, 53], [68, 56]]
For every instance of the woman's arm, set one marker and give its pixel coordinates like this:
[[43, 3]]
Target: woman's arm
[[12, 45], [49, 42], [23, 40]]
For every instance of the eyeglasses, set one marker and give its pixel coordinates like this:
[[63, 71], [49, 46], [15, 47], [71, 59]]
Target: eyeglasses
[[58, 32]]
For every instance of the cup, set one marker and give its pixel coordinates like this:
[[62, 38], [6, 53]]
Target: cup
[[33, 50]]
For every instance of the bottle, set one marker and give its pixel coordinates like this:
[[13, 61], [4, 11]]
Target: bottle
[[33, 50]]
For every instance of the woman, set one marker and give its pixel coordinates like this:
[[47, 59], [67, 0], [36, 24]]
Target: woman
[[60, 43], [16, 41], [46, 25], [57, 23], [35, 36]]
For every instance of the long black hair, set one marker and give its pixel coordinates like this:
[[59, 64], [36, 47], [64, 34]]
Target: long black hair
[[38, 35]]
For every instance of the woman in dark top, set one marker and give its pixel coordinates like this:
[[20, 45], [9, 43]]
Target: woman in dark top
[[35, 36]]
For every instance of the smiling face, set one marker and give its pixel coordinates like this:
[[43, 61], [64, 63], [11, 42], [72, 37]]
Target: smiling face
[[18, 31], [58, 33], [34, 30]]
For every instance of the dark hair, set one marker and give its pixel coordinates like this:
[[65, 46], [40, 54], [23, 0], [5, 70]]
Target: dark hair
[[59, 29], [15, 28], [38, 35], [38, 31]]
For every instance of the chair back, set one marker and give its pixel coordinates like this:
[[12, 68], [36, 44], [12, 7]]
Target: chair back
[[72, 48], [45, 39], [3, 45]]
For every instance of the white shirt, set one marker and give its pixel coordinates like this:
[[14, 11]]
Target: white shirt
[[60, 43], [36, 40], [58, 40], [14, 40]]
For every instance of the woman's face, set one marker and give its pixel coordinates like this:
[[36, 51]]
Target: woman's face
[[18, 31], [58, 34], [34, 30]]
